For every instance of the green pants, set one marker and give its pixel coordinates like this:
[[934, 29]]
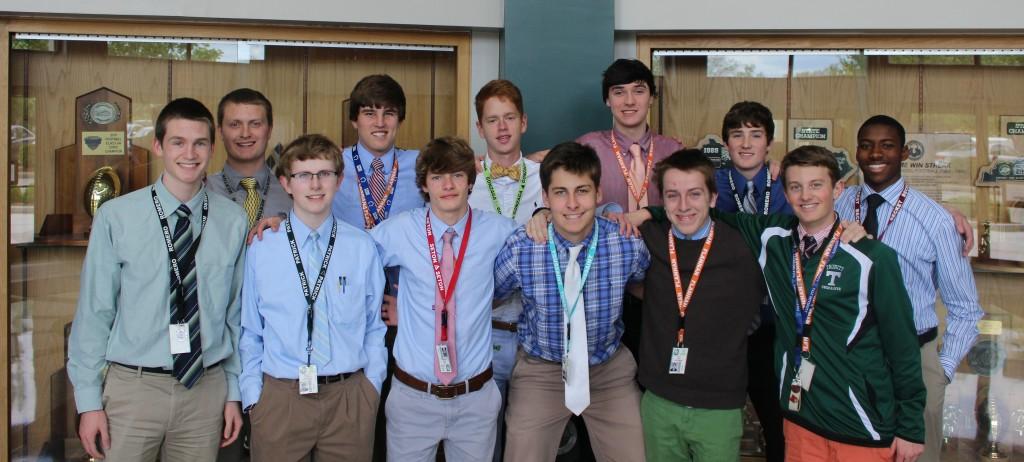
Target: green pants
[[673, 432]]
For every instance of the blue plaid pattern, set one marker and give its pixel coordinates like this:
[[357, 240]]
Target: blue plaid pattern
[[525, 265]]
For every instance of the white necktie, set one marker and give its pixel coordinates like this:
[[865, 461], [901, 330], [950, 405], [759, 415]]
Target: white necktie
[[577, 387]]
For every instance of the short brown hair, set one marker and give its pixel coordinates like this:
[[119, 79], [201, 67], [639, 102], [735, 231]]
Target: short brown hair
[[446, 154], [502, 89], [376, 91], [573, 157], [748, 114], [306, 147], [811, 156], [245, 96], [687, 160], [187, 109]]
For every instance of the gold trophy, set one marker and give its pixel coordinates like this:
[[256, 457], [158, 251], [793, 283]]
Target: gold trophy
[[103, 185]]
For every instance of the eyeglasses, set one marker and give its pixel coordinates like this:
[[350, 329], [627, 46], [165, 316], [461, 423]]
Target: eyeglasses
[[322, 175]]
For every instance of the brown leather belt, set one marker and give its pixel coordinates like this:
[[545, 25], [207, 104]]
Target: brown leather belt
[[445, 391], [502, 325]]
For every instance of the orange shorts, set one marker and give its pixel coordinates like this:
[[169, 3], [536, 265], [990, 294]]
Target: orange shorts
[[803, 445]]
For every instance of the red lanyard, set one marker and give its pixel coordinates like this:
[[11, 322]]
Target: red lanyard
[[892, 215], [805, 307], [446, 293], [684, 300], [637, 195]]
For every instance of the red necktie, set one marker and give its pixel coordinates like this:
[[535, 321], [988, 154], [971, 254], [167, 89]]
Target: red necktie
[[447, 267]]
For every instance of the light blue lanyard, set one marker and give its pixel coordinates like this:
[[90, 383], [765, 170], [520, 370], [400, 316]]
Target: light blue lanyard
[[591, 251]]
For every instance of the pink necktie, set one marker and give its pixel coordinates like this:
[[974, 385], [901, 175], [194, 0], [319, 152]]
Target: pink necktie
[[638, 170], [447, 267]]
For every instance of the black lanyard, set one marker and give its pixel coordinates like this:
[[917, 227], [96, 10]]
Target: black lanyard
[[173, 254], [767, 192], [310, 297]]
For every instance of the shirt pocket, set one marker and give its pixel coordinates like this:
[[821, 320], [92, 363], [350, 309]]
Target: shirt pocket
[[349, 301]]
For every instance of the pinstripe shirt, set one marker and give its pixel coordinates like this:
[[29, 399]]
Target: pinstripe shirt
[[925, 237], [526, 265]]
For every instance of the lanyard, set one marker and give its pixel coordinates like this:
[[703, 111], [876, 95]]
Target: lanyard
[[892, 215], [447, 293], [310, 297], [637, 195], [171, 253], [494, 195], [591, 251], [683, 301], [767, 191], [805, 300], [374, 213], [263, 192]]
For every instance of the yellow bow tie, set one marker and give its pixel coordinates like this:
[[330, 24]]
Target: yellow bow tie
[[512, 172]]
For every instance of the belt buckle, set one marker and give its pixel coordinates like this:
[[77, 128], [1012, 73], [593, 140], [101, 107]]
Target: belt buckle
[[445, 392]]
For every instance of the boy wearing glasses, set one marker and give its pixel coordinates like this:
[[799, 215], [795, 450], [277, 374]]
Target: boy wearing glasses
[[312, 346]]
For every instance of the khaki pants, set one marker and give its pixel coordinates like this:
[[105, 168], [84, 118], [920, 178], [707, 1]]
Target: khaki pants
[[536, 414], [935, 383], [148, 413], [335, 424]]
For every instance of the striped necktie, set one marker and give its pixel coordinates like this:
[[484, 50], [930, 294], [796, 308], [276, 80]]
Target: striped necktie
[[377, 184], [321, 324], [188, 367], [252, 199], [749, 202]]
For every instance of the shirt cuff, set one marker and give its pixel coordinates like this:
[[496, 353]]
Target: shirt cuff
[[232, 381], [251, 396], [948, 366], [89, 399]]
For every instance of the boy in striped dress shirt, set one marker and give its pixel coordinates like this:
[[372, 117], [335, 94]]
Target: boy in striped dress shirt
[[925, 237]]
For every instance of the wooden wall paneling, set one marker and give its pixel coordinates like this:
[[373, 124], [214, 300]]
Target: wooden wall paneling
[[56, 79], [893, 91], [1002, 94], [278, 76], [445, 91], [841, 99], [694, 103]]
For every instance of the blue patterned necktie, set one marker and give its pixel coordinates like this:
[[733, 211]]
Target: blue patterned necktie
[[321, 324]]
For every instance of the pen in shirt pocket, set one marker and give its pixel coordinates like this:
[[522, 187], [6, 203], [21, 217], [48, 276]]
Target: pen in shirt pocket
[[342, 280]]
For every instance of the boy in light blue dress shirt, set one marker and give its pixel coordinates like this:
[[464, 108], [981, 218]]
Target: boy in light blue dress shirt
[[312, 347]]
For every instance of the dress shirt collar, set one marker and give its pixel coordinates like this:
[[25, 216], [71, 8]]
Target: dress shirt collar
[[740, 181], [487, 162], [821, 235], [439, 227], [171, 203], [562, 242], [366, 158], [302, 231], [234, 178], [891, 194], [698, 235], [625, 142]]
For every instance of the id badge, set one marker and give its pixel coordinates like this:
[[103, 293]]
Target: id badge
[[795, 395], [565, 368], [677, 365], [307, 379], [806, 373], [444, 362], [179, 338]]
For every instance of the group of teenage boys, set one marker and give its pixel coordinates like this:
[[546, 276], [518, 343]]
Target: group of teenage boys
[[509, 306]]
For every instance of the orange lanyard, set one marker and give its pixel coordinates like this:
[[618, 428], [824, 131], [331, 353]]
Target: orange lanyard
[[683, 301], [637, 194]]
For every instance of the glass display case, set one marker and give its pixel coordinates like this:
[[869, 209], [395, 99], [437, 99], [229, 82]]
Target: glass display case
[[81, 101]]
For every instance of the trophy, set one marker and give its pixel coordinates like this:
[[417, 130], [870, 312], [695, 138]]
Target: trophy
[[103, 185], [991, 413]]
